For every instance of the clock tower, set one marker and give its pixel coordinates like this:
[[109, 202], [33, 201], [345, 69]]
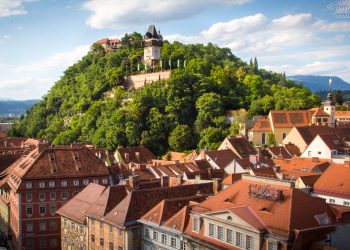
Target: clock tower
[[152, 43]]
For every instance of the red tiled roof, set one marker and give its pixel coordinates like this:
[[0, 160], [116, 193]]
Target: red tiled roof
[[103, 41], [297, 210], [222, 157], [309, 180], [319, 112], [292, 149], [308, 133], [334, 181], [138, 154], [139, 202], [241, 146], [333, 142], [303, 164], [342, 114], [262, 125], [277, 151], [231, 178], [290, 118], [76, 207]]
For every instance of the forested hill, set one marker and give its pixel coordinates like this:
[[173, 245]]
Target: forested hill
[[182, 113]]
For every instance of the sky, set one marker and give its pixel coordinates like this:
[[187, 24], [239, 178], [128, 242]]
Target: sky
[[39, 39]]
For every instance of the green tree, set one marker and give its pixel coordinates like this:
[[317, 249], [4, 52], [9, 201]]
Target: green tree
[[181, 138], [271, 140]]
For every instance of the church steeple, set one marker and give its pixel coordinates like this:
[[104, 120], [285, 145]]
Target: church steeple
[[328, 105], [330, 93]]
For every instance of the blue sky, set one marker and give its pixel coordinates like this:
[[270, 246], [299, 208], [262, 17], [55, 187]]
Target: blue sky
[[39, 39]]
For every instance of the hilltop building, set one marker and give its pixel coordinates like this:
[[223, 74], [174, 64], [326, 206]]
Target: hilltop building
[[152, 43], [110, 44]]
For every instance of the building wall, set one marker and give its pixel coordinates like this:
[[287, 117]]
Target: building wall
[[256, 137], [235, 168], [278, 132], [332, 199], [73, 235], [317, 148], [149, 242], [139, 81], [294, 137], [102, 232]]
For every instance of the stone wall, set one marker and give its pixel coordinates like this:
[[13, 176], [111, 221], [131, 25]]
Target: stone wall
[[139, 81]]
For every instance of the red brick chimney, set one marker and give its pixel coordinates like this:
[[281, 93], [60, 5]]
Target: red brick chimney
[[217, 185]]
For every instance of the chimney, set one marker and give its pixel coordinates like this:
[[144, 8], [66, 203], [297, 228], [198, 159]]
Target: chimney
[[217, 185], [22, 144], [138, 158], [127, 157], [164, 181], [133, 180], [202, 154], [315, 159], [5, 144], [277, 168], [180, 177], [42, 146], [210, 173]]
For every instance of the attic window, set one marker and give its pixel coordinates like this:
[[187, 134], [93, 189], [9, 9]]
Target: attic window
[[229, 218], [174, 226], [322, 219], [115, 213]]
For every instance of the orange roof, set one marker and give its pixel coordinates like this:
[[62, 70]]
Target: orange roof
[[290, 118], [296, 210], [231, 178], [334, 181], [103, 41], [262, 125], [319, 112], [298, 164], [342, 114]]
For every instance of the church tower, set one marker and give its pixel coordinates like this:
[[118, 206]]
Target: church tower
[[152, 43], [328, 105]]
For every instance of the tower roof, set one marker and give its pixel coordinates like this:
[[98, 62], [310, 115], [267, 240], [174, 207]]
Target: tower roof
[[152, 33]]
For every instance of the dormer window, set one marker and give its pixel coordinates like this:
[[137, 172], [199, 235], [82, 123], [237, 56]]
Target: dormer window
[[271, 245], [41, 184], [76, 183], [195, 225], [64, 183], [52, 184], [29, 185], [86, 182], [104, 181]]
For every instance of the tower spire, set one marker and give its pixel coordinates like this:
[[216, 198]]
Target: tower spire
[[330, 94]]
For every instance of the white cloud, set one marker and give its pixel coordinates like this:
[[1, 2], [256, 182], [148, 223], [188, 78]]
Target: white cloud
[[12, 7], [34, 80], [119, 14]]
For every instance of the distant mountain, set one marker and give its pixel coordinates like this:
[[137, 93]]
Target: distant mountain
[[15, 107], [319, 83]]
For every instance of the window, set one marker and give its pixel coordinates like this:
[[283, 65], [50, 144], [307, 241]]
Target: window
[[183, 246], [346, 203], [284, 135], [72, 226], [173, 242], [195, 226], [30, 243], [42, 243], [250, 242], [211, 230], [92, 238], [86, 182], [229, 236], [29, 211], [110, 228], [64, 195], [325, 120], [263, 138], [64, 183], [120, 248], [52, 184], [41, 184], [110, 246], [309, 153], [75, 183], [53, 243], [101, 225], [53, 196], [147, 233], [29, 197], [29, 185], [29, 227], [42, 226], [331, 201], [104, 181], [41, 196], [53, 225], [220, 233], [75, 193], [164, 238], [53, 208], [319, 152], [155, 235], [239, 239], [65, 222], [101, 242], [271, 246], [96, 181], [82, 229], [119, 232]]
